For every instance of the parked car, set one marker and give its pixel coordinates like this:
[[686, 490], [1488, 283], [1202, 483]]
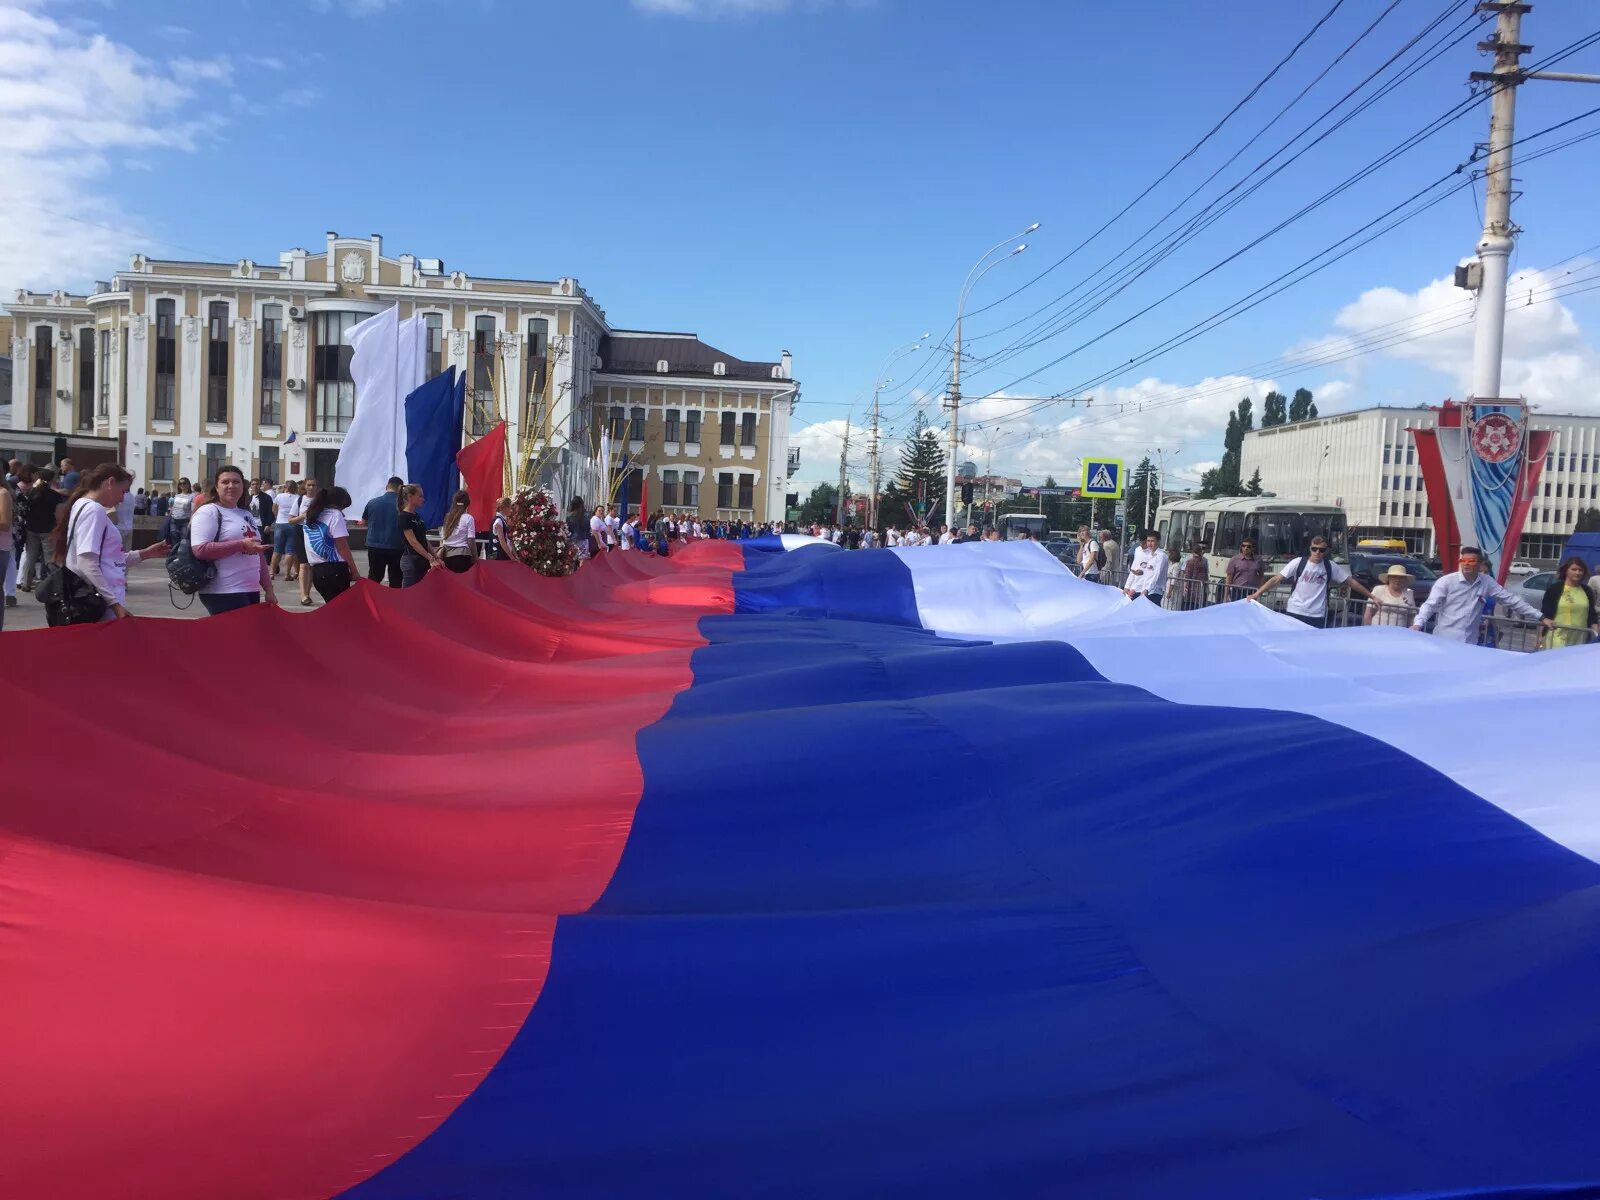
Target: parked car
[[1520, 567], [1064, 549], [1531, 587]]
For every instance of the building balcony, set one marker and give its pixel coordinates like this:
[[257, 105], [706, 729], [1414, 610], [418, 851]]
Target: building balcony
[[794, 460]]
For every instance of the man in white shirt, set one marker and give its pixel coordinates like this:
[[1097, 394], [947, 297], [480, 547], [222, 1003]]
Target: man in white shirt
[[1113, 552], [946, 538], [892, 537], [1090, 557], [1147, 574], [1315, 577], [1459, 598]]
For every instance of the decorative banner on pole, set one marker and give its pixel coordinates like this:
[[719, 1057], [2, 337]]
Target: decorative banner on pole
[[1102, 478], [1481, 469]]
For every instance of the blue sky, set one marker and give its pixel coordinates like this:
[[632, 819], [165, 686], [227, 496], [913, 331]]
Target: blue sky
[[813, 176]]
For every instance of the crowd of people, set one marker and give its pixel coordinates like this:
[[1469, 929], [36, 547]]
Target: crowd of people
[[242, 536]]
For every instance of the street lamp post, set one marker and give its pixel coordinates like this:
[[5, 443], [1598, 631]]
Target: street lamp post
[[979, 269], [874, 459]]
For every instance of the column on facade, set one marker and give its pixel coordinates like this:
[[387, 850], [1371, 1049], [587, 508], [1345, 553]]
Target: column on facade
[[189, 452], [242, 370], [22, 379]]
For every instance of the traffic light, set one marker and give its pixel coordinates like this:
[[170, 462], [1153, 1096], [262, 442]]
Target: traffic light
[[966, 493]]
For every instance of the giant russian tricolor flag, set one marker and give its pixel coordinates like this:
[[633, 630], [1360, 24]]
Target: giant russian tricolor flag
[[812, 873]]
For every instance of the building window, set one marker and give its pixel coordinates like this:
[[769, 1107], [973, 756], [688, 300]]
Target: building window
[[1383, 508], [103, 407], [538, 367], [1405, 509], [434, 324], [217, 363], [747, 429], [725, 490], [729, 421], [691, 490], [86, 378], [747, 491], [673, 428], [336, 391], [161, 461], [272, 365], [1387, 452], [483, 405], [1411, 453], [616, 421], [691, 426], [636, 425], [166, 397], [1408, 483], [216, 459], [669, 487], [44, 357], [269, 464]]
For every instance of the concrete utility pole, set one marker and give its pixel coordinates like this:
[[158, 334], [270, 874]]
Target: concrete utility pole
[[1499, 234], [844, 454], [874, 439]]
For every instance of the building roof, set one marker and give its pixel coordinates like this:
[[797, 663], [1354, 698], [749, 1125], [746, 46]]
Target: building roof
[[636, 352]]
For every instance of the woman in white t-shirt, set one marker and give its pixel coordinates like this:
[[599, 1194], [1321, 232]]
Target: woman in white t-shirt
[[457, 536], [88, 543], [327, 534], [613, 524], [284, 506], [224, 531]]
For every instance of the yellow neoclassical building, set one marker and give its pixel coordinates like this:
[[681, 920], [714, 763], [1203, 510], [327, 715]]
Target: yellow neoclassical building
[[186, 366]]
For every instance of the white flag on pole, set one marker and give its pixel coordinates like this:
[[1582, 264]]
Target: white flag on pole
[[387, 365]]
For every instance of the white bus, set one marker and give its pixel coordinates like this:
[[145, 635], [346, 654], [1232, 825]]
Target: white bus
[[1280, 528]]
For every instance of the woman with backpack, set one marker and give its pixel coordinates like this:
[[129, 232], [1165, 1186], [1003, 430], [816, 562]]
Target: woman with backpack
[[224, 532], [458, 535], [327, 534], [86, 541]]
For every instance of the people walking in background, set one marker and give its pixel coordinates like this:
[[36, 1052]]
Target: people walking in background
[[328, 555], [663, 532], [578, 526], [19, 480], [224, 531], [1147, 574], [384, 547], [302, 573], [179, 511], [284, 531], [86, 541], [1091, 557], [1569, 607], [1195, 575], [1314, 577], [1457, 601], [1243, 573], [8, 506], [40, 504], [69, 476], [500, 546], [416, 560], [458, 542], [1113, 564]]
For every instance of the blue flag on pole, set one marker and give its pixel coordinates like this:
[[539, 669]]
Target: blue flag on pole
[[433, 435]]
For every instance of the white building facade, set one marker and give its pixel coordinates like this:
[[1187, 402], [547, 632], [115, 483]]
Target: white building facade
[[1367, 462], [191, 365]]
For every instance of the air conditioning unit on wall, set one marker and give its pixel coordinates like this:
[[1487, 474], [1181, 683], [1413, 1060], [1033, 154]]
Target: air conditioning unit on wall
[[294, 385], [296, 313]]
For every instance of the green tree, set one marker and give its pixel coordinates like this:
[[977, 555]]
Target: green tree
[[921, 476], [1301, 408], [1253, 488], [821, 504], [1227, 474], [1141, 490], [1274, 410]]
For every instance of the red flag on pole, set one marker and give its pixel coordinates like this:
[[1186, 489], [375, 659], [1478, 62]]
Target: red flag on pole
[[482, 466]]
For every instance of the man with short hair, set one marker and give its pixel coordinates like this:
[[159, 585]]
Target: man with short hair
[[1147, 574], [991, 534], [1243, 573], [69, 475], [13, 468], [1314, 577], [1457, 600], [384, 548], [1091, 557]]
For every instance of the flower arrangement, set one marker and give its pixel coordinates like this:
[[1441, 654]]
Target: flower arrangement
[[538, 533]]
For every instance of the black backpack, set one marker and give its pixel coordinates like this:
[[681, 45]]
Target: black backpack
[[184, 571], [69, 598]]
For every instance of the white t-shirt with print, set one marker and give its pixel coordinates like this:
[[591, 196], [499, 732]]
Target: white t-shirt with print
[[236, 572], [322, 536], [1310, 598]]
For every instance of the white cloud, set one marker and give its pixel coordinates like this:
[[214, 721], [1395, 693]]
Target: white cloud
[[300, 97], [354, 8], [1547, 357], [176, 33], [267, 62], [70, 100]]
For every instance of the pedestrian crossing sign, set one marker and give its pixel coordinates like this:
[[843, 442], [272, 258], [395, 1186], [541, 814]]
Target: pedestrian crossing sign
[[1102, 478]]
